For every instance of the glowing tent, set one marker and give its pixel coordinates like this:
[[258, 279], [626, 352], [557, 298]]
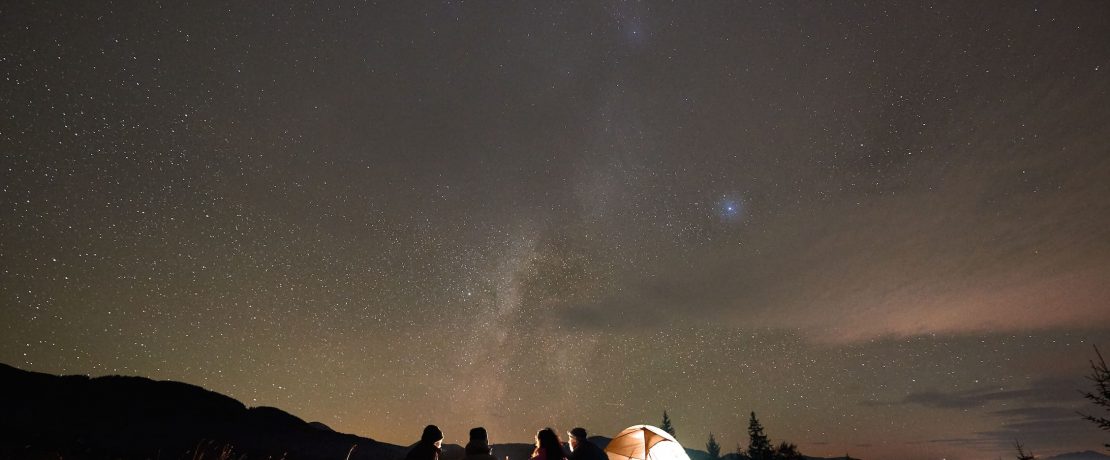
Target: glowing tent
[[645, 442]]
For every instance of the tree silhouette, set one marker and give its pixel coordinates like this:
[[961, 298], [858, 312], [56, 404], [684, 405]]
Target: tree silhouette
[[759, 447], [712, 447], [1100, 375], [787, 451], [666, 426], [1021, 455]]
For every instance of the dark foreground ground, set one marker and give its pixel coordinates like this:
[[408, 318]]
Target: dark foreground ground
[[133, 418]]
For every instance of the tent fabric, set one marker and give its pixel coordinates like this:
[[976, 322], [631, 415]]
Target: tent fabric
[[645, 442]]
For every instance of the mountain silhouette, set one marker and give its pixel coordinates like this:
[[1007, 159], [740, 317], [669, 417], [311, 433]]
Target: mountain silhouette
[[1085, 455], [77, 417], [114, 417], [45, 416]]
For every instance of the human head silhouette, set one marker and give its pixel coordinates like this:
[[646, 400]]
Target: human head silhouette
[[576, 436], [548, 440], [479, 442], [432, 435]]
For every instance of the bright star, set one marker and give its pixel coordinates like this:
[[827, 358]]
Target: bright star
[[729, 209]]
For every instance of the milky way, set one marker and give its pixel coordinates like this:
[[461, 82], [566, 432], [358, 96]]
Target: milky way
[[883, 228]]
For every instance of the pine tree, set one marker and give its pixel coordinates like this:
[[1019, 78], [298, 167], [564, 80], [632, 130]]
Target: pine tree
[[666, 426], [759, 447], [713, 448], [1100, 375]]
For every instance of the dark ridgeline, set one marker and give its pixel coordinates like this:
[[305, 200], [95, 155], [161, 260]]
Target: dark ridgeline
[[515, 451], [77, 417]]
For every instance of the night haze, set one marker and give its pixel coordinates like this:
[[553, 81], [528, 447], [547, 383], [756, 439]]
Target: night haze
[[882, 227]]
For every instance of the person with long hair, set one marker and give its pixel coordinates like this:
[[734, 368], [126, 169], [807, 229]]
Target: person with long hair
[[548, 446]]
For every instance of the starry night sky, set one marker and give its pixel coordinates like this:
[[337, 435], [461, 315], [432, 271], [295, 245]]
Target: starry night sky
[[883, 228]]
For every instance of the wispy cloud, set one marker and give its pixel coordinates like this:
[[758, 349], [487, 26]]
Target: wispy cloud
[[1040, 414], [1038, 392]]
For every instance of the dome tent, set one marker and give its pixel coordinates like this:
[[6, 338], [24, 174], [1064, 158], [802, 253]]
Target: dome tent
[[645, 442]]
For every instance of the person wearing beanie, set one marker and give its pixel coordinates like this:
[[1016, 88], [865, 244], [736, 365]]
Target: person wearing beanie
[[427, 448], [581, 448], [478, 448]]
